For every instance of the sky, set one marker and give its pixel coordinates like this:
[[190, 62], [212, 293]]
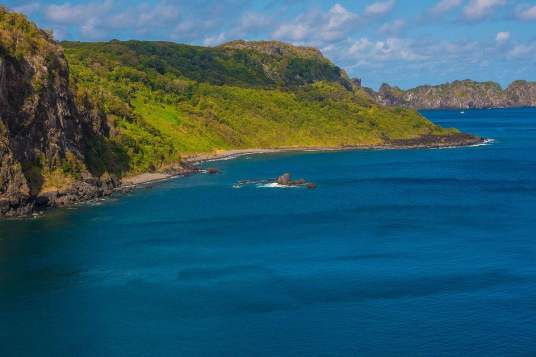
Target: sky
[[401, 42]]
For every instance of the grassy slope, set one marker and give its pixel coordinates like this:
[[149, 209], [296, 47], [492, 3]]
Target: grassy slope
[[166, 100]]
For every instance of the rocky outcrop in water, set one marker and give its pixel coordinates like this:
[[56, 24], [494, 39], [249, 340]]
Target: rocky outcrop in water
[[286, 180], [213, 171], [465, 94]]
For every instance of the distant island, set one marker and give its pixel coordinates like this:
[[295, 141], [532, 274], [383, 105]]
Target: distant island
[[466, 94], [78, 119]]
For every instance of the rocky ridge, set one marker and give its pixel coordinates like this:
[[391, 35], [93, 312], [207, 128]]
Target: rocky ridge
[[465, 94]]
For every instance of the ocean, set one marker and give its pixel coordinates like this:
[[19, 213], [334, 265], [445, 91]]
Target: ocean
[[397, 252]]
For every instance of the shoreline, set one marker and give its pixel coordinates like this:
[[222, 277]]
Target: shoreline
[[92, 189], [197, 159]]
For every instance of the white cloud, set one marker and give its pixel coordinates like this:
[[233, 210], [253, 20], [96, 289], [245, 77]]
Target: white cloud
[[391, 49], [215, 40], [157, 15], [502, 37], [318, 28], [444, 6], [526, 13], [28, 8], [95, 20], [252, 21], [380, 8], [88, 17], [393, 27], [480, 9], [523, 52], [294, 32], [69, 14]]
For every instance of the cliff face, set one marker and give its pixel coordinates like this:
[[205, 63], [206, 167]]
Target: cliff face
[[43, 136], [522, 94], [459, 95]]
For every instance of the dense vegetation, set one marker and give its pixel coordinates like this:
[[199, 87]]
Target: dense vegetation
[[19, 37], [166, 100], [75, 117]]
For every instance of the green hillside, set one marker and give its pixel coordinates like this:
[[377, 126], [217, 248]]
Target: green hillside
[[165, 100]]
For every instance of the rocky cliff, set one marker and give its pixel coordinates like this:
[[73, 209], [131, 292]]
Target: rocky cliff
[[43, 135], [465, 94]]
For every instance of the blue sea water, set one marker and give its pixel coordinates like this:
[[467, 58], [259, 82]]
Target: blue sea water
[[416, 252]]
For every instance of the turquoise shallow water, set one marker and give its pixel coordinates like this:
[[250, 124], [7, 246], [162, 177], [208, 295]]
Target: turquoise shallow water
[[419, 252]]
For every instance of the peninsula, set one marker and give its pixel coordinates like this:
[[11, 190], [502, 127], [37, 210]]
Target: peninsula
[[77, 119]]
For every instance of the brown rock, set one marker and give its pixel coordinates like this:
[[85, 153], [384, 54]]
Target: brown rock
[[284, 179]]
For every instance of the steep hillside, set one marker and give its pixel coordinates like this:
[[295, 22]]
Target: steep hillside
[[459, 95], [167, 100]]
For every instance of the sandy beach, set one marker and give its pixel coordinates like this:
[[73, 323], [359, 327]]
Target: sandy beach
[[197, 159]]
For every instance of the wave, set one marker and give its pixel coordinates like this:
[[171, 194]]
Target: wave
[[225, 158], [274, 185], [486, 142]]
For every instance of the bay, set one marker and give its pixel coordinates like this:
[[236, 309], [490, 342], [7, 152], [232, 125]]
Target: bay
[[397, 252]]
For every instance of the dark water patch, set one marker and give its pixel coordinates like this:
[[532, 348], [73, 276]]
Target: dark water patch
[[307, 292], [278, 292], [206, 273], [328, 214], [23, 281], [439, 181], [371, 256]]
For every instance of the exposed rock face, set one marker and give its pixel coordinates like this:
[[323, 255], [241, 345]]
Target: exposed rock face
[[522, 93], [40, 125], [459, 95]]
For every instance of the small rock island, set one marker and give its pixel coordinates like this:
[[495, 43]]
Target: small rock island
[[286, 180]]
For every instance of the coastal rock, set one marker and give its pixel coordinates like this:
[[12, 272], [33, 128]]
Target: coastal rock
[[213, 171], [284, 179], [430, 141]]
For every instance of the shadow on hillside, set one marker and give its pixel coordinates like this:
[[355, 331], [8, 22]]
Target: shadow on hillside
[[103, 155]]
